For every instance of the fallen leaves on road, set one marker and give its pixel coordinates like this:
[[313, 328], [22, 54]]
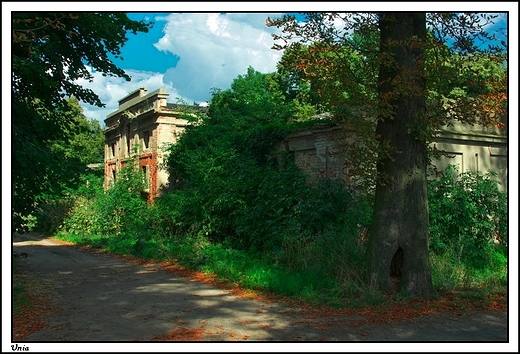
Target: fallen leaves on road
[[184, 334], [397, 312], [181, 335], [403, 311], [31, 318]]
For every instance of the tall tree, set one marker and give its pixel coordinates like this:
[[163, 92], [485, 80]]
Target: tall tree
[[82, 143], [336, 76], [400, 52], [50, 52], [399, 232]]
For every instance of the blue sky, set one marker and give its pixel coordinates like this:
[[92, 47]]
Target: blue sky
[[189, 53], [156, 60]]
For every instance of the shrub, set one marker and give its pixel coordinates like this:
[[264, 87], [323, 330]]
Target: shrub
[[468, 217], [117, 218], [122, 207], [54, 208]]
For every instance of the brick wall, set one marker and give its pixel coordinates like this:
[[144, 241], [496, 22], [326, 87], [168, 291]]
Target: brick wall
[[471, 148]]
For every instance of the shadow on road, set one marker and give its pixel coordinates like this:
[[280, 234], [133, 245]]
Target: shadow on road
[[102, 298]]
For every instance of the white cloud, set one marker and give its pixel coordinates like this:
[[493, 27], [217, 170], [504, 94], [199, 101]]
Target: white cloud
[[111, 89], [214, 49]]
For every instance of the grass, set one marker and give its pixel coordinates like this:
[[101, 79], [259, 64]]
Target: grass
[[247, 271], [20, 298], [311, 285]]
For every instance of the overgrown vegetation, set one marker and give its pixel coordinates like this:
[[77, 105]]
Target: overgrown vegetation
[[51, 53], [299, 240], [249, 216], [233, 207], [65, 171], [468, 230]]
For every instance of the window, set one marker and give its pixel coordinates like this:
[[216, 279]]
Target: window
[[146, 139], [128, 140], [144, 169], [113, 149]]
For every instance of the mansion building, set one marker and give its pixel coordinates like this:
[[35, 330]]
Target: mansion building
[[138, 130], [145, 122]]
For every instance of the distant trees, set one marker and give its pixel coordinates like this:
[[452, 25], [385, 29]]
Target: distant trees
[[50, 51]]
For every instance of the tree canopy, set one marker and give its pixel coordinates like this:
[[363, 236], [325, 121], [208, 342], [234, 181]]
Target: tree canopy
[[338, 71], [409, 73], [50, 52], [341, 63]]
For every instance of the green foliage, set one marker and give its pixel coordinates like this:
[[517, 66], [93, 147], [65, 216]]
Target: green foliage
[[468, 214], [228, 186], [83, 140], [51, 214], [253, 99], [81, 218], [231, 199], [122, 206], [66, 173], [467, 88], [218, 163], [117, 219], [51, 52]]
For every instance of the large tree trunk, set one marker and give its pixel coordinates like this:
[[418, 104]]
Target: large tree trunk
[[399, 233]]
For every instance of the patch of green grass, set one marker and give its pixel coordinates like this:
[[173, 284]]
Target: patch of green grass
[[20, 298], [307, 283], [450, 273]]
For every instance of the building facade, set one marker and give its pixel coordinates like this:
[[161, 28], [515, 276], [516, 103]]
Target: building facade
[[472, 148], [137, 133], [144, 123]]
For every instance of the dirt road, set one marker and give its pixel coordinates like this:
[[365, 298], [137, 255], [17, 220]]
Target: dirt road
[[101, 298]]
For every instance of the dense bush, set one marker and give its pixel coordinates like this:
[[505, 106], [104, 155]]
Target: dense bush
[[227, 185], [120, 214], [468, 215], [53, 208]]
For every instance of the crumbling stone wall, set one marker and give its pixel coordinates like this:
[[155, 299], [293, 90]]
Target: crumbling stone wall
[[317, 151], [139, 129], [145, 122]]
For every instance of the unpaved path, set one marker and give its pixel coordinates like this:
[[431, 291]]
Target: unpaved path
[[101, 298]]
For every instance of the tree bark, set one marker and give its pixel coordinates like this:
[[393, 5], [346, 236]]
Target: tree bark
[[398, 251]]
